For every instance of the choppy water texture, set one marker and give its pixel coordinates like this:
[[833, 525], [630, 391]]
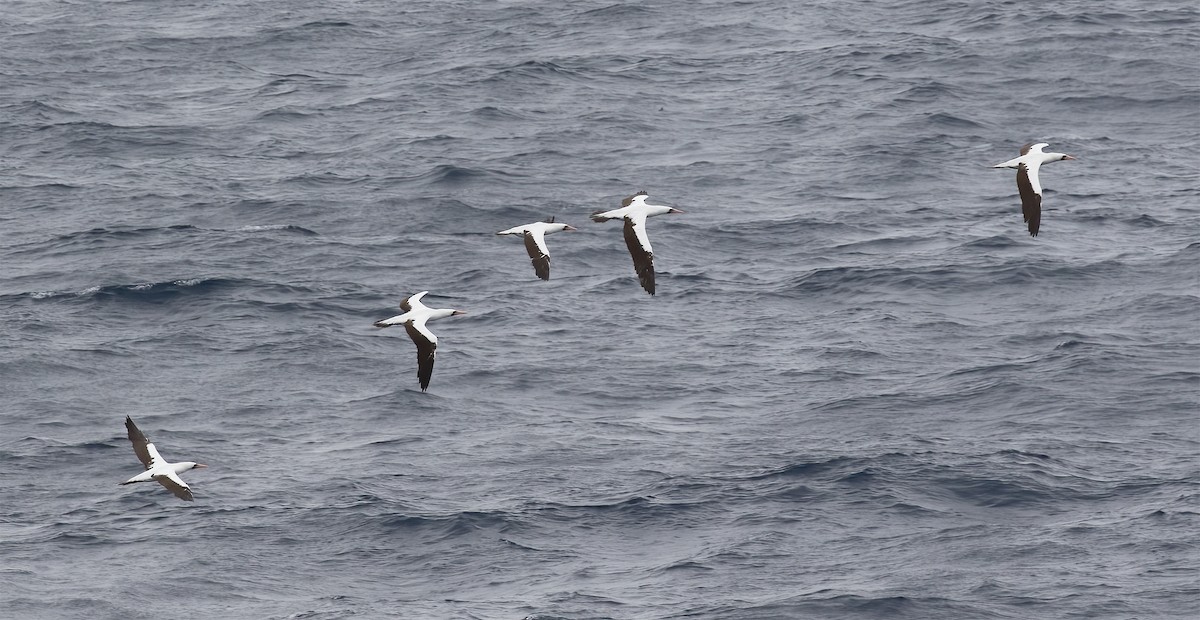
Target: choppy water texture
[[862, 391]]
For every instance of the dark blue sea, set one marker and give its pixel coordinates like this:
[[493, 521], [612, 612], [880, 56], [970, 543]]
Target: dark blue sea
[[862, 390]]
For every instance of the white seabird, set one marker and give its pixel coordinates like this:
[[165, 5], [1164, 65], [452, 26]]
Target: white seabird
[[535, 243], [634, 211], [416, 314], [1028, 186], [157, 468]]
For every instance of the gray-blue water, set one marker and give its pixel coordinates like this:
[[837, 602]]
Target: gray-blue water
[[862, 390]]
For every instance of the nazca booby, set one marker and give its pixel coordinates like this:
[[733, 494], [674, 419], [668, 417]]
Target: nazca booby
[[416, 314], [634, 211], [535, 243], [157, 468], [1028, 185]]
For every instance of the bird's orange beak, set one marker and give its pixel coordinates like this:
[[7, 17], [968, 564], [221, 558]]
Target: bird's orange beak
[[199, 465], [457, 312], [1067, 157], [569, 228]]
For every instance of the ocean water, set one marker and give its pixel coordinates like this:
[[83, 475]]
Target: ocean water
[[861, 391]]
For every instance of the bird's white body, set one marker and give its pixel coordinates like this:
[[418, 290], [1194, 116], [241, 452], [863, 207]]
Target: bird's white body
[[540, 229], [162, 468], [1033, 158], [636, 213], [419, 314]]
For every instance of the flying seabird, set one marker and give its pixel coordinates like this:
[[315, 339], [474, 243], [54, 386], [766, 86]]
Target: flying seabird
[[1028, 185], [535, 243], [416, 314], [157, 468], [634, 211]]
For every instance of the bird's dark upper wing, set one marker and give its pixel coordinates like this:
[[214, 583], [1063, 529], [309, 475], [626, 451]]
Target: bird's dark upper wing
[[426, 350], [139, 442], [541, 260], [1031, 201], [643, 261]]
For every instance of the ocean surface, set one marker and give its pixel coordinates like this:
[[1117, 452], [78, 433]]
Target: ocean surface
[[861, 391]]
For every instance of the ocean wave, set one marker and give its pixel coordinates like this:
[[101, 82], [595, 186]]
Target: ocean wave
[[493, 113], [805, 469], [42, 111], [619, 11], [452, 175], [312, 32], [105, 233], [290, 228], [827, 603], [949, 277], [994, 242], [285, 114], [153, 292], [164, 291], [325, 179], [542, 70]]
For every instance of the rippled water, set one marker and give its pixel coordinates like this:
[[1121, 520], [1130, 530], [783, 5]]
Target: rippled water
[[861, 391]]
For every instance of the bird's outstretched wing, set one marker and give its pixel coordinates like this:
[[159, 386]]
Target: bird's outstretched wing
[[628, 200], [412, 301], [539, 254], [176, 485], [641, 252], [1031, 197], [141, 446], [426, 350]]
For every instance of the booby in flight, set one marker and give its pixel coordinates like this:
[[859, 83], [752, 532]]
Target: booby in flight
[[416, 314], [1028, 186], [535, 243], [157, 468], [634, 211]]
